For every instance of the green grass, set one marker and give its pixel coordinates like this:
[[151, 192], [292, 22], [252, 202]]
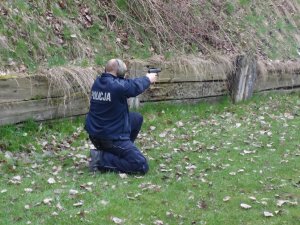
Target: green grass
[[198, 154], [229, 8]]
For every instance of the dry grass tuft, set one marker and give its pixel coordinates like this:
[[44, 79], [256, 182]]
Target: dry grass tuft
[[70, 80], [283, 66], [206, 69], [262, 70]]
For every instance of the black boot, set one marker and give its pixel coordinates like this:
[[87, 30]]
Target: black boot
[[96, 157]]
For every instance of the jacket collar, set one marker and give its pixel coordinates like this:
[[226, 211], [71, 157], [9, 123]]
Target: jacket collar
[[110, 75], [107, 75]]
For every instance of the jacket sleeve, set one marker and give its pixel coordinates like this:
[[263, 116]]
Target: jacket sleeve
[[136, 86]]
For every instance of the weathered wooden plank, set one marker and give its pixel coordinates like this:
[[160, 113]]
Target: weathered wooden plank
[[281, 90], [26, 88], [277, 80], [190, 101], [185, 90], [53, 83], [43, 109]]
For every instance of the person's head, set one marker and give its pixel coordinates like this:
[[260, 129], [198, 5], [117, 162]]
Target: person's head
[[116, 67]]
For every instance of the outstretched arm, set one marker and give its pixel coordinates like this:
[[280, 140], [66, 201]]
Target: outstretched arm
[[136, 86]]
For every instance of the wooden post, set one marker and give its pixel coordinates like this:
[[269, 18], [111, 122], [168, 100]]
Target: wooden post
[[241, 81]]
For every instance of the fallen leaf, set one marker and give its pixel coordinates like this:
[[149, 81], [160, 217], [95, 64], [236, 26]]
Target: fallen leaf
[[78, 204], [149, 186], [191, 167], [58, 206], [169, 214], [8, 155], [158, 222], [51, 181], [163, 134], [86, 187], [245, 152], [103, 202], [117, 220], [264, 203], [47, 201], [226, 198], [252, 198], [123, 175], [73, 192], [268, 214], [245, 206], [54, 214], [34, 166], [152, 128], [16, 180], [28, 190], [202, 205], [82, 213], [179, 124], [237, 125], [282, 202], [80, 156]]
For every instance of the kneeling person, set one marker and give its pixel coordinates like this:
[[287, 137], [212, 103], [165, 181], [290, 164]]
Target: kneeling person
[[111, 127]]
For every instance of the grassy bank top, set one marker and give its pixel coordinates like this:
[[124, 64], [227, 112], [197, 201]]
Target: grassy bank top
[[36, 34]]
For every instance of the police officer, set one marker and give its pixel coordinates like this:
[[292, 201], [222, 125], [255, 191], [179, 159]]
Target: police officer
[[111, 127]]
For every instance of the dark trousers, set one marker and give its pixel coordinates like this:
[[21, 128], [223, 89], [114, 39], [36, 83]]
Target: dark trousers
[[122, 155]]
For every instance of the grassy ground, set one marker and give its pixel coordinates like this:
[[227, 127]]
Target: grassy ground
[[205, 161]]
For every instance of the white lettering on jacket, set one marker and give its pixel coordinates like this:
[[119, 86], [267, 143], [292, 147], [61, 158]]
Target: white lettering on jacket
[[101, 96]]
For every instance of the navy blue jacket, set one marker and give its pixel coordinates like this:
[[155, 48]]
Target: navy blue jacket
[[108, 117]]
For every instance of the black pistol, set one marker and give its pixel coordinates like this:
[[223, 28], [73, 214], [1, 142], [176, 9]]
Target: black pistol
[[154, 70]]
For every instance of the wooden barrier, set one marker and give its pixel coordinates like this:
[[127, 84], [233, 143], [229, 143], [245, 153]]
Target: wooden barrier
[[184, 90], [43, 109], [16, 88], [181, 84], [278, 81], [35, 97]]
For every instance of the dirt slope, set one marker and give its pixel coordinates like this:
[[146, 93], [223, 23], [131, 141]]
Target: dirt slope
[[35, 34]]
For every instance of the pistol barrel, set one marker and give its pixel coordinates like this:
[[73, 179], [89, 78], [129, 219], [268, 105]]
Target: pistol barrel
[[154, 70]]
